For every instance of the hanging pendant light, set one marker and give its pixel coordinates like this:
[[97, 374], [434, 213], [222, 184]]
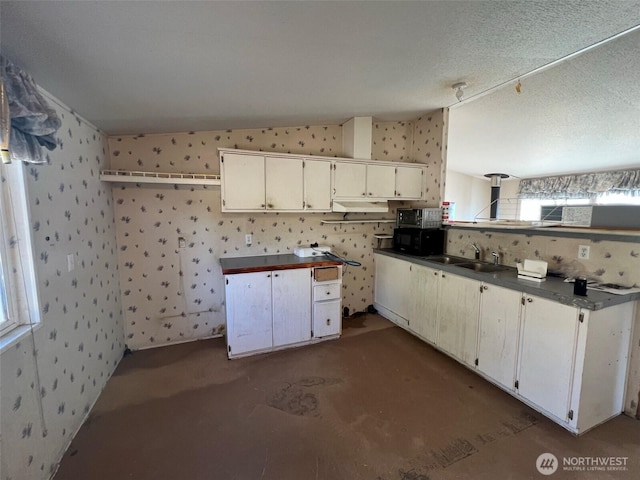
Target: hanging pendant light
[[5, 124]]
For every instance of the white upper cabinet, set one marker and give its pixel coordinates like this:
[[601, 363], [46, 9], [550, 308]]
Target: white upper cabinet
[[317, 185], [349, 180], [381, 181], [284, 183], [409, 182], [243, 187], [252, 181]]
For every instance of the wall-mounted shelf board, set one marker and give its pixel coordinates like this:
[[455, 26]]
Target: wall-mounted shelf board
[[382, 237], [380, 220], [125, 176]]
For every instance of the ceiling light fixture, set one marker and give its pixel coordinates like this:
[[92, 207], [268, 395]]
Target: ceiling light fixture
[[459, 89]]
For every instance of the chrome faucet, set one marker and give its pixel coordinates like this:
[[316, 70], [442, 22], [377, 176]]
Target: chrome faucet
[[496, 257], [477, 250]]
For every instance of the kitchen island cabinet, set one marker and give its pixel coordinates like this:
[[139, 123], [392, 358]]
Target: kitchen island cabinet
[[271, 303]]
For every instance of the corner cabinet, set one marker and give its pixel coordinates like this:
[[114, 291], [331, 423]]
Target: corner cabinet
[[258, 181]]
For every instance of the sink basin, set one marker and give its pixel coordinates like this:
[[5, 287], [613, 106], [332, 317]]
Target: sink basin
[[483, 267], [447, 259]]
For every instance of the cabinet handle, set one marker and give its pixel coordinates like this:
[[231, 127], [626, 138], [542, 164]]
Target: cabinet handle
[[328, 293], [270, 205], [435, 273], [328, 321], [262, 205], [275, 274], [529, 299], [269, 276], [443, 275], [370, 194], [364, 194], [309, 206], [484, 287]]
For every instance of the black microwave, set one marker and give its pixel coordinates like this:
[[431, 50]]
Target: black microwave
[[419, 241]]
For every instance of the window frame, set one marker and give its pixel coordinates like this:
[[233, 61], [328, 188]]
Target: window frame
[[18, 265]]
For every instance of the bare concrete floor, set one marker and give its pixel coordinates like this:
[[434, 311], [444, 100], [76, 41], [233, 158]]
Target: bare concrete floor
[[377, 404]]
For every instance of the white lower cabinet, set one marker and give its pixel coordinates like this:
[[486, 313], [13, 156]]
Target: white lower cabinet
[[392, 282], [291, 304], [422, 302], [275, 309], [248, 305], [573, 362], [327, 305], [568, 363], [498, 334], [458, 305]]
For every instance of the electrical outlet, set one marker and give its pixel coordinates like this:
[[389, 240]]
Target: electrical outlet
[[182, 243], [248, 239], [583, 252]]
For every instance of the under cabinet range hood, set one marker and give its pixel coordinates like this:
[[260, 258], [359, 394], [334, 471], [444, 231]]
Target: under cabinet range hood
[[360, 207]]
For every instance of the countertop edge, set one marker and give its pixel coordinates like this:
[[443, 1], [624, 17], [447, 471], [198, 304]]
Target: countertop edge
[[508, 279], [266, 263]]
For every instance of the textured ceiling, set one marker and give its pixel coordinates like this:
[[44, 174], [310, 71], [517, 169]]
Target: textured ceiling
[[579, 116], [165, 66]]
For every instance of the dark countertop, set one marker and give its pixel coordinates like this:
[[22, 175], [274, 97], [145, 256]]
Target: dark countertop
[[264, 263], [552, 288]]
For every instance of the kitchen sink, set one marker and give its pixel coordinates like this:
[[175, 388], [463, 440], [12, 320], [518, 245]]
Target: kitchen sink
[[447, 259], [483, 267]]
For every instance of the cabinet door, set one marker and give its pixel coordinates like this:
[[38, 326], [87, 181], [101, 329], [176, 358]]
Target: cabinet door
[[326, 318], [499, 334], [409, 182], [392, 286], [423, 306], [381, 181], [549, 332], [349, 180], [458, 309], [283, 183], [243, 178], [317, 185], [291, 295], [248, 306]]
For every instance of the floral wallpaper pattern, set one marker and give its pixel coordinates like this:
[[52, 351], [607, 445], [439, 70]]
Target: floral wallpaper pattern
[[428, 140], [174, 293], [392, 141], [81, 339]]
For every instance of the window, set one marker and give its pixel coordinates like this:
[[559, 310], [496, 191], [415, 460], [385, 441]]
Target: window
[[18, 294], [533, 209]]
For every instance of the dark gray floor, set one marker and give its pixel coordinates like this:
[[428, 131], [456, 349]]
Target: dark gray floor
[[377, 404]]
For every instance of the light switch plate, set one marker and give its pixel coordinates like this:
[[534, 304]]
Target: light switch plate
[[71, 262], [248, 239]]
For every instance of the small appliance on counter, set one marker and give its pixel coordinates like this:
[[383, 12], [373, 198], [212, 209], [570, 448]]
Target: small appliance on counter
[[418, 241], [311, 251], [419, 218], [534, 270]]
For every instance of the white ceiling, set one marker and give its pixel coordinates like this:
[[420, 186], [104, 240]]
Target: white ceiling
[[168, 66]]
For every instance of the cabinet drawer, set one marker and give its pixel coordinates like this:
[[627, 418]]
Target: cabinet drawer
[[327, 319], [331, 291]]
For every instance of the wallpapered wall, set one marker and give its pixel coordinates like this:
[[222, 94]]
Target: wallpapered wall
[[609, 262], [173, 294], [81, 338]]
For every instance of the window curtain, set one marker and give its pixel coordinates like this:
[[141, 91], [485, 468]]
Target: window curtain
[[587, 185], [33, 122]]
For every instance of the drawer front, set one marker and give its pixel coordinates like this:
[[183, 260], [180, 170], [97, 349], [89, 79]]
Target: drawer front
[[330, 291], [327, 319]]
